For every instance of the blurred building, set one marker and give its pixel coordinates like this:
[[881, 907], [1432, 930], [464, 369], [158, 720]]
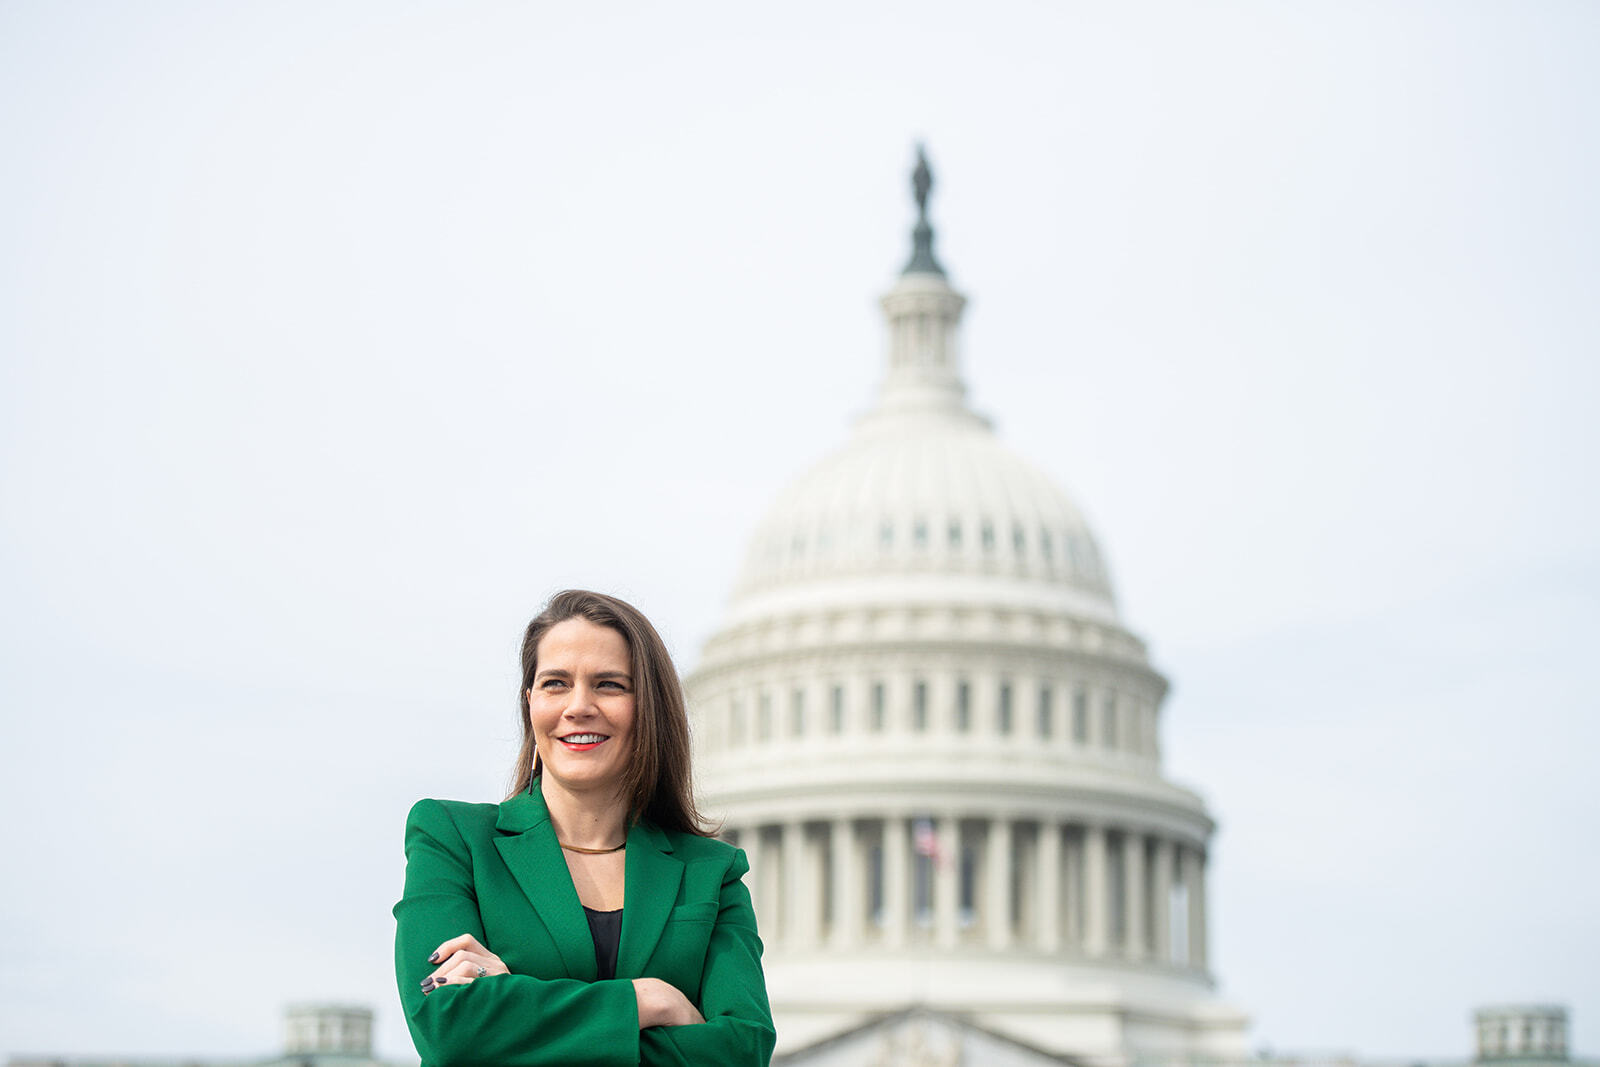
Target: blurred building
[[314, 1032], [1516, 1034], [315, 1035], [339, 1035], [927, 724]]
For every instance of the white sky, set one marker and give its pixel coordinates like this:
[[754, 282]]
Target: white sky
[[337, 336]]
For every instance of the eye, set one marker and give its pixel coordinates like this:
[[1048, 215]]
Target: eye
[[552, 683], [611, 684]]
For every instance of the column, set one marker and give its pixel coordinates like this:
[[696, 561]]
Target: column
[[1133, 900], [757, 880], [1161, 906], [1096, 739], [847, 884], [997, 883], [896, 880], [1196, 882], [937, 681], [1096, 916], [1072, 883], [1048, 902], [946, 882], [897, 701], [985, 702], [799, 904]]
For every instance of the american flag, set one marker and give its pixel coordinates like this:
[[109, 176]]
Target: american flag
[[925, 839]]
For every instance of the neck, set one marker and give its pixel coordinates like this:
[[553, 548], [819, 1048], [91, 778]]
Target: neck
[[583, 819]]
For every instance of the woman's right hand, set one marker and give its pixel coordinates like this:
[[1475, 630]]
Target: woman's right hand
[[462, 960], [662, 1004]]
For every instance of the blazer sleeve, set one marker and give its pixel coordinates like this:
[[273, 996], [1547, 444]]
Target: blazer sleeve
[[733, 993], [510, 1020]]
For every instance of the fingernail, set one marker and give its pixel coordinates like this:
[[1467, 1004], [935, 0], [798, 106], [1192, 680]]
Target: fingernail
[[433, 958], [440, 981], [425, 982]]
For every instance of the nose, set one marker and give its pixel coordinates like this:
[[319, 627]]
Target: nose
[[580, 701]]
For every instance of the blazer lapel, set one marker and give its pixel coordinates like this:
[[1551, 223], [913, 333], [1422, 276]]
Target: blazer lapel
[[527, 844], [650, 889]]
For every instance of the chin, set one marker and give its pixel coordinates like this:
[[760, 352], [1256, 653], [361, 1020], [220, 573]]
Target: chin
[[589, 781]]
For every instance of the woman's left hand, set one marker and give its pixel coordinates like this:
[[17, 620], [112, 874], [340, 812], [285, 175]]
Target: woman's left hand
[[461, 961]]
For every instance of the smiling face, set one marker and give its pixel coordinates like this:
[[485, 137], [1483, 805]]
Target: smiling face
[[580, 706]]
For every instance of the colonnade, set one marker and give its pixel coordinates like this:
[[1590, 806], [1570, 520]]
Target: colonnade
[[1060, 716], [1096, 891]]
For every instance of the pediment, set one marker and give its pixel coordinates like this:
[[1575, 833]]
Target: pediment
[[920, 1037]]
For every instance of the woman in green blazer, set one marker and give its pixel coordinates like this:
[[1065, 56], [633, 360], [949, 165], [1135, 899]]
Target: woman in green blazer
[[527, 934]]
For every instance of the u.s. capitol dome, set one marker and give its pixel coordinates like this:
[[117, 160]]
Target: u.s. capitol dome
[[924, 720]]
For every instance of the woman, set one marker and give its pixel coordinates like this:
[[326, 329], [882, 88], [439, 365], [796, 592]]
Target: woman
[[587, 918]]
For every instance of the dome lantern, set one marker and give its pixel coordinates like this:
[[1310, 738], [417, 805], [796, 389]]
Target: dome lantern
[[924, 315]]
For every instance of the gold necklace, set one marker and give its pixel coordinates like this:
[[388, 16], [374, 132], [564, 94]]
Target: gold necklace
[[591, 851]]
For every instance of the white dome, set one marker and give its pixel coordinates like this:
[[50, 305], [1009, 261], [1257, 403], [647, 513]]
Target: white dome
[[927, 493], [923, 721], [923, 505]]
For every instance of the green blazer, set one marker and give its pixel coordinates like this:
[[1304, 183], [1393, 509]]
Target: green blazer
[[496, 872]]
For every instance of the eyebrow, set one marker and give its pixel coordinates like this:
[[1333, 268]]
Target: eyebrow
[[562, 672]]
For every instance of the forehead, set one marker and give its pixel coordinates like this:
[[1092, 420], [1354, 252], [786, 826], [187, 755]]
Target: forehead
[[578, 644]]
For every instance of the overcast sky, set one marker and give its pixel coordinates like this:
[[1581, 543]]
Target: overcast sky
[[336, 336]]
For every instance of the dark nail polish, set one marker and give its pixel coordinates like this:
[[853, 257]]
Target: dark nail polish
[[426, 982], [440, 981], [433, 958]]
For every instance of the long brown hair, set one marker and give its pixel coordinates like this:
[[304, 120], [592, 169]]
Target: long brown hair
[[656, 779]]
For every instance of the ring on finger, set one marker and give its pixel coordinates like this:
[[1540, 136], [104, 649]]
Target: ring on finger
[[482, 970]]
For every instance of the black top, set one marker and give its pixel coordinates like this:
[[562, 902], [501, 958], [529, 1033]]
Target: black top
[[606, 929]]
